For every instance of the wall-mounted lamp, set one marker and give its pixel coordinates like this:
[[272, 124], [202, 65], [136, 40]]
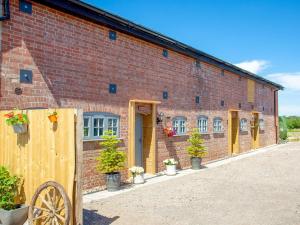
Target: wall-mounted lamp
[[160, 117]]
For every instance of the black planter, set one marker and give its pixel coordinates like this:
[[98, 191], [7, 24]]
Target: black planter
[[14, 217], [196, 163], [113, 181]]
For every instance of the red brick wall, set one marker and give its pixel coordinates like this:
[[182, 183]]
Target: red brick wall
[[73, 61]]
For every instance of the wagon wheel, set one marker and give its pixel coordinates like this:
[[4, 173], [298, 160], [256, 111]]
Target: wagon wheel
[[50, 205]]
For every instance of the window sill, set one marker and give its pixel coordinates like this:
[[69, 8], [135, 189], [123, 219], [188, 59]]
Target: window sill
[[218, 132], [180, 135], [101, 139]]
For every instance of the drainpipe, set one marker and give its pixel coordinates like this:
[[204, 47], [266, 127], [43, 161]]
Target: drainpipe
[[276, 115]]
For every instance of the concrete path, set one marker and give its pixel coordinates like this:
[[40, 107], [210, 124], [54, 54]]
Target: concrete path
[[262, 189]]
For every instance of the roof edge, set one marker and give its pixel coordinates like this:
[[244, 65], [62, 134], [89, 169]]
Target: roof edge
[[92, 13]]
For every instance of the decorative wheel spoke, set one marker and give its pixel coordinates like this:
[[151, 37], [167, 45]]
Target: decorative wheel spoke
[[50, 205]]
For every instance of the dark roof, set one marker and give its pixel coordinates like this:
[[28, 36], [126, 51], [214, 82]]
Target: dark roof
[[89, 12]]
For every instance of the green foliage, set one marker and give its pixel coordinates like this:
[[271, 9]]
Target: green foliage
[[283, 131], [292, 122], [8, 189], [196, 148], [13, 119], [110, 159]]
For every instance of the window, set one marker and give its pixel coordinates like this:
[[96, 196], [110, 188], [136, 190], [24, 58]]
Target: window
[[243, 124], [179, 125], [261, 124], [95, 124], [218, 126], [202, 124]]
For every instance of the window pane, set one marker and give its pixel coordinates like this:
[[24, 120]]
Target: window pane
[[86, 122], [96, 133], [86, 132]]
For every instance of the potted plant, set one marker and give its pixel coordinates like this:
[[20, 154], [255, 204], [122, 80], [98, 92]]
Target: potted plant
[[19, 122], [196, 149], [111, 161], [10, 212], [137, 174], [170, 166], [53, 117]]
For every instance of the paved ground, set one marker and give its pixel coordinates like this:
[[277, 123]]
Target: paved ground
[[263, 189]]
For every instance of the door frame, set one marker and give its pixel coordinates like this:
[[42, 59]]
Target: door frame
[[131, 132], [230, 151], [255, 144]]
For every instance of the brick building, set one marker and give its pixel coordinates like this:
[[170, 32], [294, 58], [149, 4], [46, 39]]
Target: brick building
[[132, 80]]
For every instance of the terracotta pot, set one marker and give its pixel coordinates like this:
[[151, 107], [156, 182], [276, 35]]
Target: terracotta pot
[[53, 118]]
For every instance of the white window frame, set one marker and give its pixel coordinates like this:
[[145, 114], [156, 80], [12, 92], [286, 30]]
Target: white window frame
[[179, 123], [218, 128], [202, 124], [243, 124], [99, 115]]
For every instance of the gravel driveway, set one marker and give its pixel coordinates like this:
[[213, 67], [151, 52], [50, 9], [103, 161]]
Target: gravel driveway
[[263, 189]]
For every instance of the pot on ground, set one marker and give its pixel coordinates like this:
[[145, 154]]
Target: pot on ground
[[20, 128], [171, 170], [113, 181], [196, 163], [15, 216], [139, 179]]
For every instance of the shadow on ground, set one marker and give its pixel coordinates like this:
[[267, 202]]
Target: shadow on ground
[[91, 217]]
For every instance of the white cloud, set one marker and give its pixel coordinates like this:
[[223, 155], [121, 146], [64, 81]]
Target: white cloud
[[290, 81], [254, 66]]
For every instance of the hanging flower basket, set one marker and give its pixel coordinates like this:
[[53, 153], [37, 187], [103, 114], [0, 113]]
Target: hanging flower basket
[[53, 117], [19, 122], [169, 131], [20, 128]]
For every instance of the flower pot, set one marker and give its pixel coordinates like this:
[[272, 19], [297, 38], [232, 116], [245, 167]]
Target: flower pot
[[20, 128], [14, 217], [53, 118], [113, 181], [139, 179], [171, 170], [196, 163]]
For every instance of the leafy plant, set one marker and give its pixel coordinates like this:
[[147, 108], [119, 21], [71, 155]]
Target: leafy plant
[[196, 148], [13, 119], [8, 189], [169, 162], [110, 159], [283, 132]]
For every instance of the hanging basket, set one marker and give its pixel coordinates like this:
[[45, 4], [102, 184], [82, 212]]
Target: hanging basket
[[20, 128], [53, 118]]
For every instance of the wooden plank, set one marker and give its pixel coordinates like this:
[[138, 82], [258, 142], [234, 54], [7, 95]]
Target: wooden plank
[[78, 174]]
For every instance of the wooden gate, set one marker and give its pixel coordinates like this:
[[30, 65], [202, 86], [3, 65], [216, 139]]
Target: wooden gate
[[47, 152]]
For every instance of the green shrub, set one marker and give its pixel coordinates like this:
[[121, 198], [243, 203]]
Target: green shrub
[[196, 148], [283, 131], [110, 159], [8, 189]]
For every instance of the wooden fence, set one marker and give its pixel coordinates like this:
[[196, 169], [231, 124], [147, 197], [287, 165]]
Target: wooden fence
[[46, 152]]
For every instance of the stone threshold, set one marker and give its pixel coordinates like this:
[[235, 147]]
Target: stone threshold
[[161, 177]]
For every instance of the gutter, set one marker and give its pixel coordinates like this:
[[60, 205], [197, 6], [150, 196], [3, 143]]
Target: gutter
[[91, 13]]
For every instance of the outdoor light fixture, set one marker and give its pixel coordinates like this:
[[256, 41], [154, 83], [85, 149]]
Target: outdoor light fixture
[[160, 117]]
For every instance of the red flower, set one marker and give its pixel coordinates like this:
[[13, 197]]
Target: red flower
[[9, 115]]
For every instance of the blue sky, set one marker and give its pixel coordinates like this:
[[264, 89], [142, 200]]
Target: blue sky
[[260, 36]]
